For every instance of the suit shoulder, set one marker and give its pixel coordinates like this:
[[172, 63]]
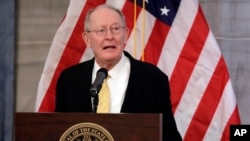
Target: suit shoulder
[[149, 67], [78, 68], [145, 68]]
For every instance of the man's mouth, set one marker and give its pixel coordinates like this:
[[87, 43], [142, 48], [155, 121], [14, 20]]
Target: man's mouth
[[109, 47]]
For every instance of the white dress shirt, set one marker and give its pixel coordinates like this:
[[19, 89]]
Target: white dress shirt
[[117, 82]]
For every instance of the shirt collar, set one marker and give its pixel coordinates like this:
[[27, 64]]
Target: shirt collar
[[122, 67]]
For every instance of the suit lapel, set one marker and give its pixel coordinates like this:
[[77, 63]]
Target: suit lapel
[[132, 88]]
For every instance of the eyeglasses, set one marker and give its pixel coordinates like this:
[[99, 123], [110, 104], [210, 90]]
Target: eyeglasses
[[102, 30]]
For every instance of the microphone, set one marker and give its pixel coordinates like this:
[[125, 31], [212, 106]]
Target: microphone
[[101, 74]]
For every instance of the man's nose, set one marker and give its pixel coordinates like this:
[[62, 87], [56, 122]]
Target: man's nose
[[109, 34]]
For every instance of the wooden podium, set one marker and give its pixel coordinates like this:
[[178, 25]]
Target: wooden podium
[[122, 127]]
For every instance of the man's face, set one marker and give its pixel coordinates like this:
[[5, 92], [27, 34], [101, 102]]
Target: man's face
[[107, 36]]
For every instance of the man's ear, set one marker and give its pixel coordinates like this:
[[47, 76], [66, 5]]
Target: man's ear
[[86, 39], [126, 35]]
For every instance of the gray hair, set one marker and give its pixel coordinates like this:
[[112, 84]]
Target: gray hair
[[87, 24]]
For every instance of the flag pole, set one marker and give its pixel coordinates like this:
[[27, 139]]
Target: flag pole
[[143, 29], [134, 29]]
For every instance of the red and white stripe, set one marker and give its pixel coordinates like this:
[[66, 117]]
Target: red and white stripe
[[202, 96]]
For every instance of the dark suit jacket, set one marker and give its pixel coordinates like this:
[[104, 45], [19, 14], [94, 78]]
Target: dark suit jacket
[[147, 92]]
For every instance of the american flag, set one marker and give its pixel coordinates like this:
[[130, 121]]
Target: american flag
[[172, 34]]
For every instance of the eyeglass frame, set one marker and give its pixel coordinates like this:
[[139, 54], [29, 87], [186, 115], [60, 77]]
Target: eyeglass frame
[[111, 28]]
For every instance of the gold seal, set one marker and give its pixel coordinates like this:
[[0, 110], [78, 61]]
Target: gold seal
[[86, 132]]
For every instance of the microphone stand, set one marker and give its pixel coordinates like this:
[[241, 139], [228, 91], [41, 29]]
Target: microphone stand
[[95, 100]]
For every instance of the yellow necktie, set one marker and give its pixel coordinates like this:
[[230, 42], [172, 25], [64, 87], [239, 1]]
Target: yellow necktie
[[104, 98]]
